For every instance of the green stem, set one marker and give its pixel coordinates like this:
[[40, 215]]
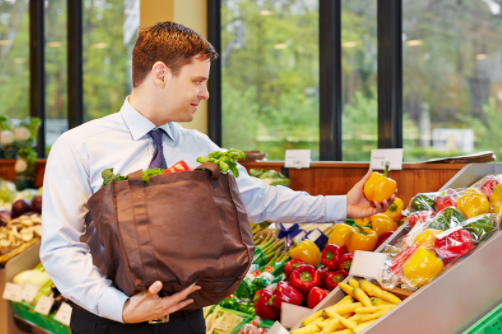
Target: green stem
[[361, 230], [386, 171]]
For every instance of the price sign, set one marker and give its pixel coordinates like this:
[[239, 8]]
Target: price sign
[[29, 292], [13, 292], [297, 159], [367, 264], [387, 157], [64, 314], [44, 305]]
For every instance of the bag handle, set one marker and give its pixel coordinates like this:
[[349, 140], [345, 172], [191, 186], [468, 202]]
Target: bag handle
[[211, 167]]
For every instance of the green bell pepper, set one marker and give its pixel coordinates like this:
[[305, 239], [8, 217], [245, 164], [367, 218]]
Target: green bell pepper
[[245, 289], [450, 217], [422, 202], [480, 229], [246, 308]]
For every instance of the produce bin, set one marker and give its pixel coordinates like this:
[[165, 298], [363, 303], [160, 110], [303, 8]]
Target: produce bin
[[459, 296], [489, 324]]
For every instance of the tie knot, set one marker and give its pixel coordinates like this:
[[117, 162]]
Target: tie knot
[[156, 135]]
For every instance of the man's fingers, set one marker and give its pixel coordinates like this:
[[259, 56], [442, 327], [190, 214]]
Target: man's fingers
[[182, 295], [378, 206], [385, 205], [392, 199], [154, 288], [179, 306]]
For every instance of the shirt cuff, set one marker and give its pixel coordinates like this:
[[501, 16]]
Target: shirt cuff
[[335, 208], [111, 304]]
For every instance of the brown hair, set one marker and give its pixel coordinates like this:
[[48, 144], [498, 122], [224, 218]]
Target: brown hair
[[171, 43]]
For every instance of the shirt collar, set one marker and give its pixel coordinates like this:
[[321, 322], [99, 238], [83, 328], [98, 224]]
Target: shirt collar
[[138, 124]]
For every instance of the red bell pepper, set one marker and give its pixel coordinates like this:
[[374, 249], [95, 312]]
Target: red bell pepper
[[345, 263], [420, 217], [287, 294], [333, 279], [400, 259], [384, 236], [324, 272], [316, 295], [263, 308], [290, 266], [454, 245], [180, 166], [304, 278], [487, 188], [446, 200], [331, 255]]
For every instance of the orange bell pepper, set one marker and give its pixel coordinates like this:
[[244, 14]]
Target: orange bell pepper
[[308, 252], [339, 234], [381, 223], [394, 210], [361, 238]]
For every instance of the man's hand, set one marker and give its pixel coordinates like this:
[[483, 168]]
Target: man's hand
[[357, 204], [145, 306]]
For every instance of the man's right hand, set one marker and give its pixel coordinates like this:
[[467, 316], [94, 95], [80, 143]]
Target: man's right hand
[[145, 306]]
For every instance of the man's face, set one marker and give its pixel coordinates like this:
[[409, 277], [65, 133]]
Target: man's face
[[183, 93]]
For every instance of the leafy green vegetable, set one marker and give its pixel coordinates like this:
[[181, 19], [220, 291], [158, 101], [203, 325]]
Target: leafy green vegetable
[[224, 160], [270, 177], [108, 176], [151, 172]]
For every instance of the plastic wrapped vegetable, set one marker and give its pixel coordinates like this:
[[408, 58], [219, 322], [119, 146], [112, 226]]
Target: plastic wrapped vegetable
[[481, 227], [449, 217], [473, 203], [422, 202], [270, 177]]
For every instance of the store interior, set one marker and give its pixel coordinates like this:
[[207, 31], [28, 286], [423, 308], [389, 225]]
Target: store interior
[[341, 81]]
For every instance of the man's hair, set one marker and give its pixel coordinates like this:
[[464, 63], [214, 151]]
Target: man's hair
[[170, 43]]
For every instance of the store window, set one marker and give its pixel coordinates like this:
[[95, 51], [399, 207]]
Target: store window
[[452, 85], [109, 33], [359, 79], [56, 71], [270, 75], [14, 58]]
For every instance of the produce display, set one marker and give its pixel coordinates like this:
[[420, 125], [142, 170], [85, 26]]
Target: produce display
[[364, 304], [445, 227]]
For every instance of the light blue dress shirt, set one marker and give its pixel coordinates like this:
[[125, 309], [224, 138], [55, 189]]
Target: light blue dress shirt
[[71, 252]]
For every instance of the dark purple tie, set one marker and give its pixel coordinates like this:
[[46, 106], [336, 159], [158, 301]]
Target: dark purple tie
[[158, 160]]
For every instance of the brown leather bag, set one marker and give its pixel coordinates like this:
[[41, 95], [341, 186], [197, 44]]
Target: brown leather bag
[[179, 229]]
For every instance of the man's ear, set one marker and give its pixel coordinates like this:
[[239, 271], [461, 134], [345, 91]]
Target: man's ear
[[160, 74]]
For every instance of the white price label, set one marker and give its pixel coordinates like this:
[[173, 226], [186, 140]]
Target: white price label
[[392, 157], [44, 305], [64, 314], [29, 292], [13, 292], [367, 264], [297, 159], [448, 232]]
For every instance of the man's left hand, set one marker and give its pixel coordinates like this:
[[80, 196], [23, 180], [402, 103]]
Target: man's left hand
[[357, 204]]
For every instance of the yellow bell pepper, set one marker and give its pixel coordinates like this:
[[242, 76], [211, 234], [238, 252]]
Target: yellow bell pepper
[[473, 203], [339, 234], [379, 187], [308, 252], [422, 267], [426, 238], [381, 223], [496, 198], [394, 210], [361, 238], [362, 221]]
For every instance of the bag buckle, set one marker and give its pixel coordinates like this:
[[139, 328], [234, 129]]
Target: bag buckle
[[162, 320]]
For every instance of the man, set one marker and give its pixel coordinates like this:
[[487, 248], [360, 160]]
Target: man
[[170, 69]]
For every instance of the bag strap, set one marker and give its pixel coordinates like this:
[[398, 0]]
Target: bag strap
[[135, 179], [211, 167]]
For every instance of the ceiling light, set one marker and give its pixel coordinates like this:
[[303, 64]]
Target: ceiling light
[[280, 46], [414, 42], [349, 44], [53, 44], [4, 42], [100, 45], [266, 12], [481, 56]]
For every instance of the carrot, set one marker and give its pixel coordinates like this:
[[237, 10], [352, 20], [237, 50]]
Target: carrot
[[374, 291], [342, 309], [362, 326], [359, 293], [311, 318], [345, 331], [346, 322], [331, 326], [310, 329], [353, 283], [372, 309], [345, 300], [347, 289], [373, 316]]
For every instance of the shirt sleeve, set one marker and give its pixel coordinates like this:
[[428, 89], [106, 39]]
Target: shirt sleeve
[[67, 260], [279, 204]]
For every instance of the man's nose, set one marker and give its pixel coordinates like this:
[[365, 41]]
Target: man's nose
[[204, 93]]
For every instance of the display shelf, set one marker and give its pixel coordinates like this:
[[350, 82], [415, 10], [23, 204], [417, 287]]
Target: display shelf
[[28, 327]]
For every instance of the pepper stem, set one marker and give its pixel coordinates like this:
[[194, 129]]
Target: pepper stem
[[329, 256], [271, 300], [393, 207], [306, 277], [386, 171], [361, 230]]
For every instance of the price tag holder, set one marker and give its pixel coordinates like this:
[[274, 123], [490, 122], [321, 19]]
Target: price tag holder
[[367, 264], [393, 157], [64, 314], [44, 305], [29, 292], [13, 292], [297, 159]]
